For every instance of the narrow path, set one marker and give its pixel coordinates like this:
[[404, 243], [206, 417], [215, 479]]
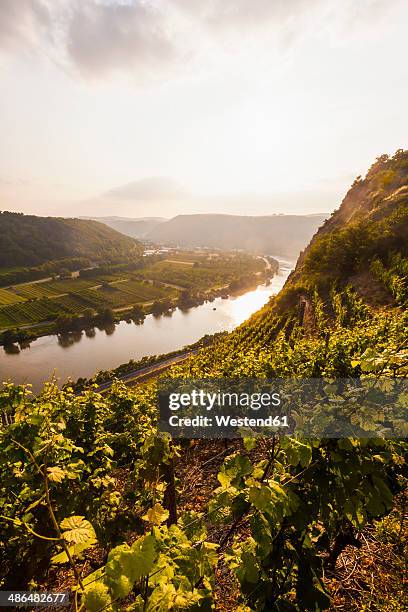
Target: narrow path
[[132, 378]]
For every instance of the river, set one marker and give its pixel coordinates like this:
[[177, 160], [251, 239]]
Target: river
[[106, 349]]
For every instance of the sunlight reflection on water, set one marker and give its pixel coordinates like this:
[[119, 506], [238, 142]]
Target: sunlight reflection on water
[[104, 350]]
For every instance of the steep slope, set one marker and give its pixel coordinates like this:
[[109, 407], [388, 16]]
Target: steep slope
[[370, 226], [27, 240], [323, 325], [275, 234], [357, 260]]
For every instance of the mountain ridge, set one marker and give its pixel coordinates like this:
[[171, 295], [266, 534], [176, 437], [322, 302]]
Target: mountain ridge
[[352, 276], [370, 224], [268, 234], [138, 227]]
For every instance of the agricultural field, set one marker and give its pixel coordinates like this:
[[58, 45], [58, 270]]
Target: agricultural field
[[35, 310], [203, 271], [30, 304], [7, 270], [8, 297]]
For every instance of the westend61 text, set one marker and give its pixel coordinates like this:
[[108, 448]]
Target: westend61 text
[[228, 421]]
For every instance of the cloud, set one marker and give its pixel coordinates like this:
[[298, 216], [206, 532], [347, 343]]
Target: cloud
[[154, 38], [131, 37], [22, 23], [164, 197], [92, 37], [232, 14], [148, 189], [151, 196]]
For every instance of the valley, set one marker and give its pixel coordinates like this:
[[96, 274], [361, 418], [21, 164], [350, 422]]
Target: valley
[[109, 292], [82, 354]]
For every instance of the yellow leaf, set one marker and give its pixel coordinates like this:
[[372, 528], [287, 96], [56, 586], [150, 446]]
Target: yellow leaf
[[77, 530], [56, 474], [156, 515]]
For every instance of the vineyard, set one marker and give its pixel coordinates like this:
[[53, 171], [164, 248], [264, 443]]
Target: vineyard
[[203, 273], [7, 297], [95, 501], [32, 303], [82, 474]]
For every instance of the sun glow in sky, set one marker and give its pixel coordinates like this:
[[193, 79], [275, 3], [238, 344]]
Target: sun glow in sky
[[160, 107]]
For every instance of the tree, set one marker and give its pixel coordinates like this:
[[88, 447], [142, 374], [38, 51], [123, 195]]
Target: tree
[[106, 315], [137, 313]]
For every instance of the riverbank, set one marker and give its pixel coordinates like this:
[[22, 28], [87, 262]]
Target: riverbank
[[147, 366], [83, 354], [167, 297]]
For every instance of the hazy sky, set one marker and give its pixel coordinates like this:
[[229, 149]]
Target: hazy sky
[[159, 107]]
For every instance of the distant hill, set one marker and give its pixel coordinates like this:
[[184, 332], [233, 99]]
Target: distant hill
[[136, 228], [27, 240], [275, 234]]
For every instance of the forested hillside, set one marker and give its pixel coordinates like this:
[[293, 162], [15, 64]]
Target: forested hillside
[[27, 240], [368, 233], [93, 499]]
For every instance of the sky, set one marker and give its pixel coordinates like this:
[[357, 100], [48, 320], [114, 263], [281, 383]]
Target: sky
[[162, 107]]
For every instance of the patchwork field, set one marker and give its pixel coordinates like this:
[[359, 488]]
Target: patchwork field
[[203, 272], [29, 304], [8, 297], [47, 306]]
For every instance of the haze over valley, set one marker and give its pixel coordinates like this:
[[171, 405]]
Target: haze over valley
[[284, 235]]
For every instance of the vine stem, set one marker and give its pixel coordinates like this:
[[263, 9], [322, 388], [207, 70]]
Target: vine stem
[[58, 530], [264, 475], [404, 504], [60, 538], [146, 590], [34, 533]]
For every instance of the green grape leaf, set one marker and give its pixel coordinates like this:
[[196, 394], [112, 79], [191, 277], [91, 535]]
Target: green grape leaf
[[260, 497], [248, 570], [97, 597], [297, 452], [137, 606], [250, 443], [122, 587], [77, 530], [233, 469], [75, 551], [95, 576], [145, 548], [127, 564]]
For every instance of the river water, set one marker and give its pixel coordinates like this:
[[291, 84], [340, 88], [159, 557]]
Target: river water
[[49, 356]]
